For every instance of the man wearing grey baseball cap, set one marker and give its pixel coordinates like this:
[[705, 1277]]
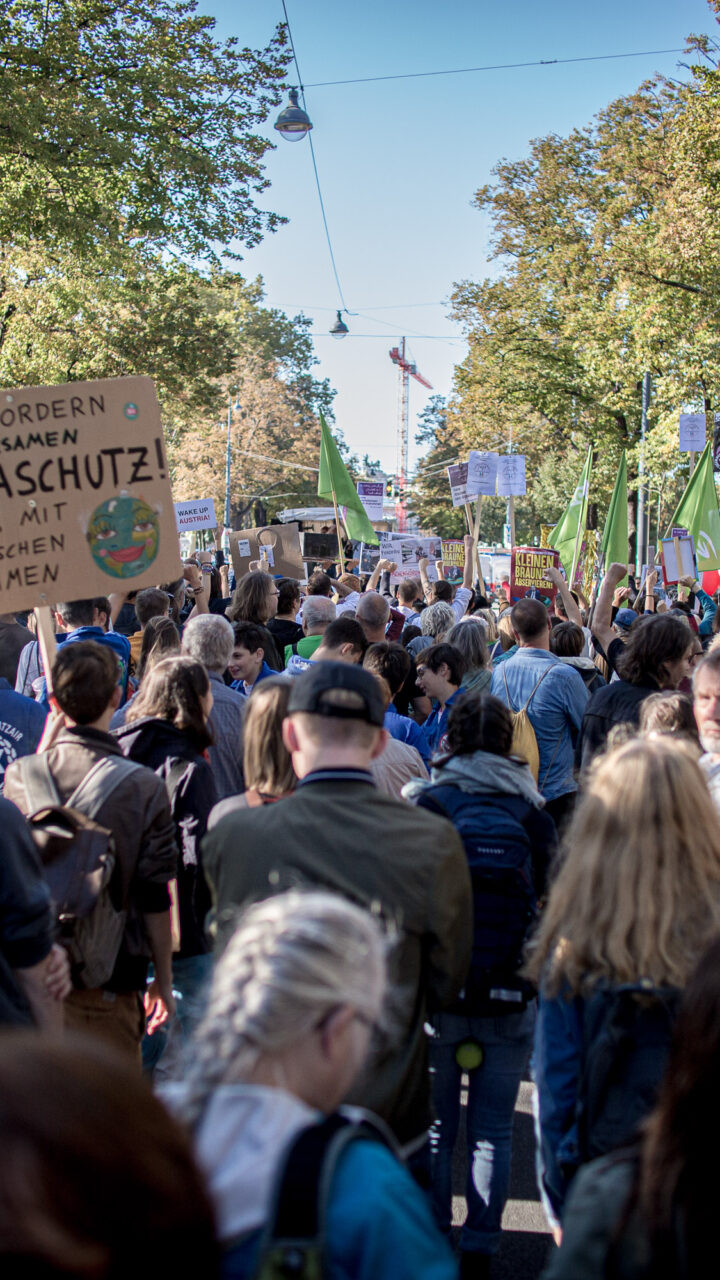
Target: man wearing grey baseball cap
[[338, 832]]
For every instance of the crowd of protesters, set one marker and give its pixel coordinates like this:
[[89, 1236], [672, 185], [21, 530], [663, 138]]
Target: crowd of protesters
[[298, 877]]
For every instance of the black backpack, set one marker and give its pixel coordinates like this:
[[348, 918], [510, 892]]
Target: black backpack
[[293, 1242], [626, 1038], [78, 857], [499, 856]]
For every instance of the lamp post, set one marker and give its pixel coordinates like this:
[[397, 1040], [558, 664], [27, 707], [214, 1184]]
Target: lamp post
[[228, 455], [641, 540]]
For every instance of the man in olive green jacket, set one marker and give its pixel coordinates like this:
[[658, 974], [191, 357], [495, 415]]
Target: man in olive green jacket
[[338, 832]]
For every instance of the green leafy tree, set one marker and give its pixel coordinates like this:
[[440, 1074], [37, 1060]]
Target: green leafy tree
[[125, 122]]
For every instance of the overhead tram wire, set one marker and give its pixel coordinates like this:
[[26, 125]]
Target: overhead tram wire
[[497, 66], [315, 169]]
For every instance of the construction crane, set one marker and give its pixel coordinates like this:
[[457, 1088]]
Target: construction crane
[[406, 371]]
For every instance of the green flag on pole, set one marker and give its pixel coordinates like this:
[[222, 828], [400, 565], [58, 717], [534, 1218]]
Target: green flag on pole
[[615, 535], [698, 512], [334, 482], [566, 537]]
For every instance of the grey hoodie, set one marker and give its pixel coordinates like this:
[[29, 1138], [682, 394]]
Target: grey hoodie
[[482, 773]]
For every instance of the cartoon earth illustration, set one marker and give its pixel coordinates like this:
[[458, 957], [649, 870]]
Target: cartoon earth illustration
[[123, 535]]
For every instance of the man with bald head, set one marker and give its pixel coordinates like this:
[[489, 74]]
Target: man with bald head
[[553, 695], [373, 614]]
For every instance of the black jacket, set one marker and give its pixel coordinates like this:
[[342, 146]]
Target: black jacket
[[159, 745], [337, 832], [618, 703]]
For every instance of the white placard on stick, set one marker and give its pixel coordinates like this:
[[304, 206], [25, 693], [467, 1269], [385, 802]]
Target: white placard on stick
[[678, 558], [195, 515], [458, 475], [511, 475], [692, 432], [371, 494], [482, 474]]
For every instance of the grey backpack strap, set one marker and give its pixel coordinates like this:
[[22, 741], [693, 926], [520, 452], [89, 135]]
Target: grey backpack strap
[[40, 789], [98, 785]]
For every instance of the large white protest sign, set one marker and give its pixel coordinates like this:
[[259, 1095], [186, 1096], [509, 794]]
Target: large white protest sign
[[190, 516], [511, 475], [85, 501], [482, 473], [457, 475], [692, 432], [406, 551], [371, 493]]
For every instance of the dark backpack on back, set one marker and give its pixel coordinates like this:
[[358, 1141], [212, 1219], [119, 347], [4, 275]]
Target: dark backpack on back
[[293, 1242], [626, 1037], [78, 857], [499, 857]]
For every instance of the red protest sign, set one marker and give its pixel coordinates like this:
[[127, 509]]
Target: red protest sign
[[528, 570]]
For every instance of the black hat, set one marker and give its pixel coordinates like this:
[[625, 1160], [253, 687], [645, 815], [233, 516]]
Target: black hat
[[323, 690]]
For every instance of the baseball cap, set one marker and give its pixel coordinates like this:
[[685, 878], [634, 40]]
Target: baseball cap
[[624, 618], [340, 690]]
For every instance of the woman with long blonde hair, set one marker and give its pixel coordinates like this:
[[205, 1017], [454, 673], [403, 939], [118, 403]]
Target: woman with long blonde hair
[[635, 904]]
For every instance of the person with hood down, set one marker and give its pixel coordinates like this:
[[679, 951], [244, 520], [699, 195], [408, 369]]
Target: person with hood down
[[295, 1004], [493, 801], [167, 730]]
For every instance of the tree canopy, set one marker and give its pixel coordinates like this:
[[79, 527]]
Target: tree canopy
[[604, 265]]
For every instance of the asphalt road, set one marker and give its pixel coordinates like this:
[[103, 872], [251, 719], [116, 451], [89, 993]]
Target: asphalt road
[[526, 1240]]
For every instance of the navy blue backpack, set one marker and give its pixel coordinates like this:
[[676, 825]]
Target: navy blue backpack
[[499, 856]]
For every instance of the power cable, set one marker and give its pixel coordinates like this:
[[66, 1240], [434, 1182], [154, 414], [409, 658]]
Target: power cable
[[496, 66], [315, 169]]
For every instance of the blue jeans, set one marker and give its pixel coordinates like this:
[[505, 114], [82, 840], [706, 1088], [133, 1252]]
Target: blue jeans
[[161, 1051], [492, 1092]]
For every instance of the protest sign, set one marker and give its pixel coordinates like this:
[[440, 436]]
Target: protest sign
[[482, 473], [367, 557], [528, 572], [85, 499], [195, 515], [511, 475], [500, 569], [371, 494], [453, 558], [281, 541], [319, 546], [678, 559], [406, 552], [692, 432], [457, 475]]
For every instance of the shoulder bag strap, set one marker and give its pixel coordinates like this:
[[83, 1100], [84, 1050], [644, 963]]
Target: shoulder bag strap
[[535, 689]]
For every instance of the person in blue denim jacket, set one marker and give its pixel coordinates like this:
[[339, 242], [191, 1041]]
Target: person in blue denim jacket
[[555, 698], [636, 902]]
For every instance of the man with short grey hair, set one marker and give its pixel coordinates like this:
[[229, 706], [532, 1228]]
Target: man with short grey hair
[[317, 613], [209, 638], [373, 614]]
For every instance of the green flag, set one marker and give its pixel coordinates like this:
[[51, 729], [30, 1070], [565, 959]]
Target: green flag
[[698, 512], [568, 532], [335, 481], [615, 535]]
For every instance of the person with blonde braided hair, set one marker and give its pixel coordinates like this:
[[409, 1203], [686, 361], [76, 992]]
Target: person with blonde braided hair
[[294, 1001]]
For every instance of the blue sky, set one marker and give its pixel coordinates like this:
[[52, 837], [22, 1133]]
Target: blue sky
[[399, 162]]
